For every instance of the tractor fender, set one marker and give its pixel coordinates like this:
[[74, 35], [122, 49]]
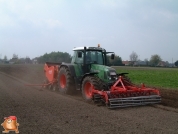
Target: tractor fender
[[70, 67], [87, 74]]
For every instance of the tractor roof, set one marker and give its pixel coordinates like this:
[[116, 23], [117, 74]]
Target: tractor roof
[[89, 48]]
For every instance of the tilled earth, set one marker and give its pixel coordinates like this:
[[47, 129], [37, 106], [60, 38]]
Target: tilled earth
[[42, 111]]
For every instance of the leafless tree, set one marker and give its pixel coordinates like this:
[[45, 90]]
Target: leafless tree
[[146, 61], [133, 57], [15, 56], [5, 58]]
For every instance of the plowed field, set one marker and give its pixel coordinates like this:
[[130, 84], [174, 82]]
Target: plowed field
[[43, 111]]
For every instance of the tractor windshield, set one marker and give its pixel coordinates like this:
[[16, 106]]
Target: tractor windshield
[[95, 57], [92, 57]]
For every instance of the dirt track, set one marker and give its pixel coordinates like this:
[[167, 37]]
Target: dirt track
[[42, 111]]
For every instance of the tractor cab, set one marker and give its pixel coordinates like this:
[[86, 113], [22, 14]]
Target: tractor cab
[[93, 61], [90, 55], [84, 57]]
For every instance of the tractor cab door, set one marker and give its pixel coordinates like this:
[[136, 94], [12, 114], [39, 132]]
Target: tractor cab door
[[77, 60], [83, 66]]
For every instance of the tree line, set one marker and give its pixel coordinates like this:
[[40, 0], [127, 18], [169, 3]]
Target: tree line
[[154, 59], [66, 57], [55, 57]]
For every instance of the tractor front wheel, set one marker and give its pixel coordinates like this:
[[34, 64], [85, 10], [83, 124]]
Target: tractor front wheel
[[87, 83]]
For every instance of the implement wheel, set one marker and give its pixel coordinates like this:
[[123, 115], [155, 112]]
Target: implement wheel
[[46, 82], [87, 83], [65, 81], [54, 87]]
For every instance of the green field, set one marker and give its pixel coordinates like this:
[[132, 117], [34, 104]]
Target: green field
[[150, 76]]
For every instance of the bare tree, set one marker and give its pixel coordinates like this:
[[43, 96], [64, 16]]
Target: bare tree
[[155, 59], [133, 57], [15, 56], [146, 61], [5, 58]]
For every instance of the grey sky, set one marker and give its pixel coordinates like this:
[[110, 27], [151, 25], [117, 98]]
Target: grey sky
[[34, 27]]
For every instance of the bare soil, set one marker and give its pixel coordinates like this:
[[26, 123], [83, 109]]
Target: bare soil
[[43, 111]]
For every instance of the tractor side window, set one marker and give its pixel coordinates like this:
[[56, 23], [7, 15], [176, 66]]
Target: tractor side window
[[79, 60], [73, 57]]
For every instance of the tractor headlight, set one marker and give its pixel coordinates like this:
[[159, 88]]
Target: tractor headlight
[[113, 75], [116, 77], [109, 77]]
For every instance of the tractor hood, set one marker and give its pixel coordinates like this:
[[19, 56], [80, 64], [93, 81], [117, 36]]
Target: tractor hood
[[98, 68], [104, 72]]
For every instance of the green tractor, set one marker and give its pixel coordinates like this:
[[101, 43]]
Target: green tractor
[[88, 67]]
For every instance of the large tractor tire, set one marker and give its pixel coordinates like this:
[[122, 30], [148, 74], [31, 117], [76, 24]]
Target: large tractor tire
[[65, 81], [87, 83]]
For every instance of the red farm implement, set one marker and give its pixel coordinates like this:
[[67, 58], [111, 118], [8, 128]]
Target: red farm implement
[[51, 74], [124, 94]]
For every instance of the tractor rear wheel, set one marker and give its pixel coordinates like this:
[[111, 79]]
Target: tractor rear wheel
[[65, 81], [87, 83]]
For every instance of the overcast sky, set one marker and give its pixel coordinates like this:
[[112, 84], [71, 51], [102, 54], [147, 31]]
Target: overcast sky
[[35, 27]]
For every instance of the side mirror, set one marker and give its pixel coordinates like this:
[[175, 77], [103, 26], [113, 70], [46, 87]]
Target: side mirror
[[79, 54], [112, 56]]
